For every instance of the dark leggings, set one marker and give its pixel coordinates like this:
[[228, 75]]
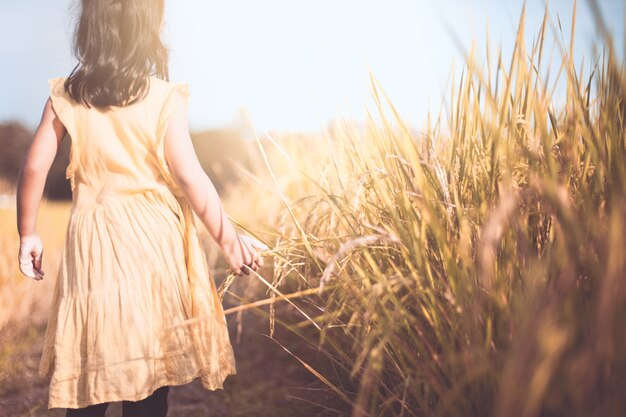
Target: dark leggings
[[153, 406]]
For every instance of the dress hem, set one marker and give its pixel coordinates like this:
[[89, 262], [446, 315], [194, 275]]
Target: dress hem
[[210, 386]]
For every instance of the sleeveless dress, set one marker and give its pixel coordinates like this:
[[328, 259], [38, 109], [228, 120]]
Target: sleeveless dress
[[134, 306]]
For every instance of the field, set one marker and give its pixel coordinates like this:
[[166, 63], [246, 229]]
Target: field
[[473, 268]]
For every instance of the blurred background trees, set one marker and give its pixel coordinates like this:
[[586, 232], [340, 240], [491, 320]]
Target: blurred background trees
[[222, 152]]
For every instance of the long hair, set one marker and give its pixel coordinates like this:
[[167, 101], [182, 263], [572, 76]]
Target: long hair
[[118, 47]]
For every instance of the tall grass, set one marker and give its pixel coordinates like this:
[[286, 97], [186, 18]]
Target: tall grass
[[477, 268]]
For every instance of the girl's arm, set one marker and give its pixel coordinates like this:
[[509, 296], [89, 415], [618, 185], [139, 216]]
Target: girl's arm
[[202, 196], [30, 185]]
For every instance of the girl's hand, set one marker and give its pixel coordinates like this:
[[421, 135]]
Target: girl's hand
[[30, 256], [242, 255]]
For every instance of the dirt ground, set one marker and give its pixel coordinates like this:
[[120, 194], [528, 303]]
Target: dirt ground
[[269, 381]]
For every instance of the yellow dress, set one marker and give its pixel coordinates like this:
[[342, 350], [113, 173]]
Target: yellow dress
[[134, 307]]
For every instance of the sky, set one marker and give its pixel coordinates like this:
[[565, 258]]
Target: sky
[[291, 65]]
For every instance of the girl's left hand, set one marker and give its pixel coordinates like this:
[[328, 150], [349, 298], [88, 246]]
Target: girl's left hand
[[30, 256]]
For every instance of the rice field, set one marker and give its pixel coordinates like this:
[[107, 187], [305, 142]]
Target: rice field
[[472, 268], [475, 268]]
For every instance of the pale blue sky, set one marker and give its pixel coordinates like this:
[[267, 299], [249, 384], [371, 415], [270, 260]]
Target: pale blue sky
[[293, 65]]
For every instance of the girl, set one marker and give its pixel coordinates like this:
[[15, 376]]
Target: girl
[[134, 309]]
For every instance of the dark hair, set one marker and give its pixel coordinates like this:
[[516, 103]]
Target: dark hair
[[118, 47]]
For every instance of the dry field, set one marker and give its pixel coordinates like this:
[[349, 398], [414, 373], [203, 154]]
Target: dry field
[[475, 268]]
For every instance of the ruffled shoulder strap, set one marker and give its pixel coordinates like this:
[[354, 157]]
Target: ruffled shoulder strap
[[172, 91], [63, 105]]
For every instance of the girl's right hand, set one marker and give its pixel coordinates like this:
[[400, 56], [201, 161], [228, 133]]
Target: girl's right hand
[[242, 255]]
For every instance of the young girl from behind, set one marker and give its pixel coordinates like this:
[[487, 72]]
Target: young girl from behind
[[135, 309]]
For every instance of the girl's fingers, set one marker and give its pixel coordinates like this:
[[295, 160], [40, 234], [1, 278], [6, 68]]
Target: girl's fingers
[[246, 256], [26, 264], [27, 269], [38, 263], [252, 258], [253, 263], [255, 243], [30, 257], [235, 267], [257, 261], [37, 255], [244, 266]]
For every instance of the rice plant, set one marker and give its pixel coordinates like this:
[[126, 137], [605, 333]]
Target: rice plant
[[475, 268]]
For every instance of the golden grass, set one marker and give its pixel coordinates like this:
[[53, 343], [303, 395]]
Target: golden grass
[[477, 268]]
